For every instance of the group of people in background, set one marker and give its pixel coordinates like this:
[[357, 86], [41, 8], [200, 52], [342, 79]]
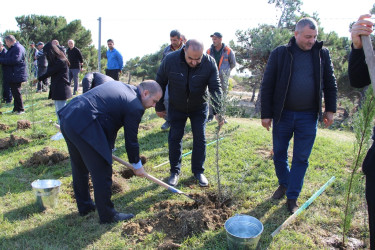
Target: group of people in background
[[297, 77]]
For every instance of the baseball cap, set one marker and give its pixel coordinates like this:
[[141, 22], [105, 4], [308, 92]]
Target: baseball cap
[[40, 43], [217, 34]]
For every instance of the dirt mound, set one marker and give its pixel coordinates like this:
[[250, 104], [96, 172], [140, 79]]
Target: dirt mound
[[127, 173], [4, 127], [47, 156], [180, 220], [12, 141], [23, 124]]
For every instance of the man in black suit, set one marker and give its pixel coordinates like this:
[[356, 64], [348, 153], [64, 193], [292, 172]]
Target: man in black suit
[[89, 124]]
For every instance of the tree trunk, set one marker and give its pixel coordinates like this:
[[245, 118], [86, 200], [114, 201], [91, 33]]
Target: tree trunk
[[254, 91]]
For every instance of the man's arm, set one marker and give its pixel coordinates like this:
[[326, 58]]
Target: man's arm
[[267, 87], [357, 69], [232, 59], [329, 84], [162, 80], [120, 60]]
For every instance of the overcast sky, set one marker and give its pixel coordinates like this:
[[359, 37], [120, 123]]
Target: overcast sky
[[141, 27]]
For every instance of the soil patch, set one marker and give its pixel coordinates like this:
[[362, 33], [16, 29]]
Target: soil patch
[[46, 156], [12, 141], [180, 220], [127, 173], [23, 124], [4, 127], [352, 243]]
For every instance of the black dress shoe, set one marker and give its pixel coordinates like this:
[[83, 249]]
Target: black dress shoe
[[118, 217], [121, 217], [173, 179], [203, 182]]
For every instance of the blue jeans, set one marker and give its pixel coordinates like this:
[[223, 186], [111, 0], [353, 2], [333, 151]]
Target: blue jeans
[[303, 126], [176, 132]]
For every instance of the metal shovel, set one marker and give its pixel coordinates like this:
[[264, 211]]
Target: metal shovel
[[152, 178]]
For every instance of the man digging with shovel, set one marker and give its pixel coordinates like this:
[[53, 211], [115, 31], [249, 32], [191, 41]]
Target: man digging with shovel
[[89, 124]]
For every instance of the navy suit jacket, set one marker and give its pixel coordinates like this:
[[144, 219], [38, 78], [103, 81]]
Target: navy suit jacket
[[97, 115]]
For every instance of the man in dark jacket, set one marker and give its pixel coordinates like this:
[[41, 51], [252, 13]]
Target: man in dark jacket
[[359, 77], [188, 72], [94, 79], [6, 93], [42, 64], [291, 99], [76, 60], [89, 124], [15, 70]]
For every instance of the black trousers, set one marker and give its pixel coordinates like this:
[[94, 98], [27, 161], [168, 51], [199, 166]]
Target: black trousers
[[16, 92], [368, 168], [84, 160], [114, 73], [7, 94]]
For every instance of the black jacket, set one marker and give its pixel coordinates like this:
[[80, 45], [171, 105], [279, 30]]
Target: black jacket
[[277, 77], [187, 86], [358, 72], [359, 77], [75, 58], [60, 85], [14, 64], [97, 115]]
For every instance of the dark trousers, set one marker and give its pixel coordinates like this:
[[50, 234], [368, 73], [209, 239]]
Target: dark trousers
[[370, 197], [368, 168], [42, 85], [16, 92], [7, 93], [198, 125], [114, 73], [84, 160], [302, 126]]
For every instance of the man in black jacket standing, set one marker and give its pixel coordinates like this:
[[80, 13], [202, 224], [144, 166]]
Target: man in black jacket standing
[[188, 72], [15, 70], [359, 77], [76, 61], [291, 99]]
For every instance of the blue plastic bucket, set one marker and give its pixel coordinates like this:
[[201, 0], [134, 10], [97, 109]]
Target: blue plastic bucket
[[243, 232]]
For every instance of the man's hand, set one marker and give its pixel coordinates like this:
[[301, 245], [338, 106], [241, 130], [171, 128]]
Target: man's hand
[[161, 114], [328, 118], [140, 172], [35, 81], [267, 123], [362, 27]]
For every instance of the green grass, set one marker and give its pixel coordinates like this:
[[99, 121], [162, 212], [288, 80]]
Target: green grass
[[247, 173]]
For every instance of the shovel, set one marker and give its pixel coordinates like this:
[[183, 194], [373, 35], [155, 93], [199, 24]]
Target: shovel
[[153, 179]]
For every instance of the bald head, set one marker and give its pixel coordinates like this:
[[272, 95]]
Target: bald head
[[151, 93], [193, 52], [194, 44]]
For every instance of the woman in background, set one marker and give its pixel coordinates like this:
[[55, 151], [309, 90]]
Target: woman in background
[[58, 70]]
